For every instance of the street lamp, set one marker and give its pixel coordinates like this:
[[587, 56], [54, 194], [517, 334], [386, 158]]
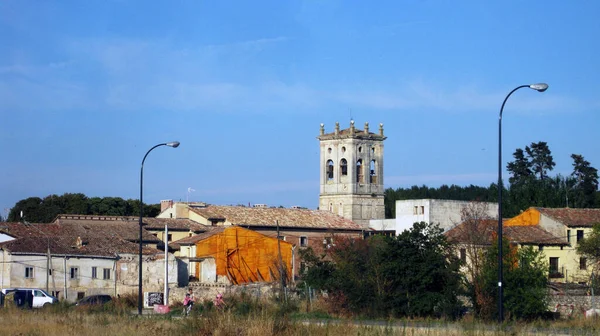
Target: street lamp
[[173, 144], [540, 87]]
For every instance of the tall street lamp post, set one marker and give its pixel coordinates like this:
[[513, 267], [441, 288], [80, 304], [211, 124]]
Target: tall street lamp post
[[540, 87], [174, 144]]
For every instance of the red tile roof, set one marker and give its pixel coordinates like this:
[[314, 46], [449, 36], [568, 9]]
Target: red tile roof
[[174, 224], [290, 218], [194, 239], [573, 217], [484, 231], [65, 245]]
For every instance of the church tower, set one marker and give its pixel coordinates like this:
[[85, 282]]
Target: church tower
[[351, 175]]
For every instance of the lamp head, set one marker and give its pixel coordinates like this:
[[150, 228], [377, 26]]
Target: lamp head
[[540, 87], [173, 144]]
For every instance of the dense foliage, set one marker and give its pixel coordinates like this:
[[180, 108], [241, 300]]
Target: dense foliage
[[413, 274], [524, 281], [38, 210], [529, 185]]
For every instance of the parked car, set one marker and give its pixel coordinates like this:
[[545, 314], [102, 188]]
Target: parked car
[[29, 297], [99, 299]]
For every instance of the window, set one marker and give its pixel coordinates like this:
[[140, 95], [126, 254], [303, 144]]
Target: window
[[171, 214], [94, 273], [422, 209], [106, 274], [49, 271], [303, 241], [74, 272], [579, 235], [344, 167], [169, 237], [582, 263], [329, 171], [359, 172], [569, 236], [541, 247], [415, 210], [343, 149], [418, 210], [80, 295], [281, 238], [553, 265], [28, 272], [373, 174], [463, 255], [372, 150], [38, 293]]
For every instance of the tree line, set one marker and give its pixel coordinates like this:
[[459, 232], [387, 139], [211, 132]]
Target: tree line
[[529, 185], [45, 210]]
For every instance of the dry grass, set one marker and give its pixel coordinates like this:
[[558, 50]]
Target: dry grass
[[69, 321]]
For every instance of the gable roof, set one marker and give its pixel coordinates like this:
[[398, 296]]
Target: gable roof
[[97, 246], [194, 239], [486, 231], [150, 223], [287, 218], [117, 228], [573, 217]]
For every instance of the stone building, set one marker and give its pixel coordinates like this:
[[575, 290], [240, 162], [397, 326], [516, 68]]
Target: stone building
[[302, 228], [351, 173], [73, 260]]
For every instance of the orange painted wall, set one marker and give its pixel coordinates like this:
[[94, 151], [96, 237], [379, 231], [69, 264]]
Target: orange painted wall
[[244, 255], [529, 217]]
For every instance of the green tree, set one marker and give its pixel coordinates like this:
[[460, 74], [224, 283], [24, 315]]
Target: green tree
[[586, 182], [540, 158], [414, 274], [524, 281], [520, 168]]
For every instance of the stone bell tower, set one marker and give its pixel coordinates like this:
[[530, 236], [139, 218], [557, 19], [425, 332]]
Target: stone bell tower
[[351, 175]]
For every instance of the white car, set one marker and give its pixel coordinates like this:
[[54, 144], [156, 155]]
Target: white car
[[30, 297]]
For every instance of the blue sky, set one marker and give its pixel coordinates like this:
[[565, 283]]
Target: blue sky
[[87, 87]]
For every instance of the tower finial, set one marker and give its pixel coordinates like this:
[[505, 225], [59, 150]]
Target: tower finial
[[381, 129], [366, 128], [322, 129], [351, 126], [337, 128]]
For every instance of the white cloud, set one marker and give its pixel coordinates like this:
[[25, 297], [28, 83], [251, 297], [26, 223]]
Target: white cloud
[[136, 75]]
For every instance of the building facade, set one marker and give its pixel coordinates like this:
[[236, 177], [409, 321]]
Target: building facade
[[446, 213], [351, 173]]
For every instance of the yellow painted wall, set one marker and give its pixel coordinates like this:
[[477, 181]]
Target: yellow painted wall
[[244, 256], [529, 217]]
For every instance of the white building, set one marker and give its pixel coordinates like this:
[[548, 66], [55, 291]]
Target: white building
[[446, 213]]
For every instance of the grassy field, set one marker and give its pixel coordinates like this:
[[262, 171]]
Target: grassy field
[[247, 318], [79, 322]]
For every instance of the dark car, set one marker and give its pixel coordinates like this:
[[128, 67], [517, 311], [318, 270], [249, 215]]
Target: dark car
[[95, 300]]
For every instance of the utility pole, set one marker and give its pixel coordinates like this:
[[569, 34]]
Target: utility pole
[[281, 270]]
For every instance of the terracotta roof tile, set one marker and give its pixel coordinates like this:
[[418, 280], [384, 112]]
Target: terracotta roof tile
[[291, 218], [530, 234], [573, 217], [194, 239], [103, 246], [151, 223]]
